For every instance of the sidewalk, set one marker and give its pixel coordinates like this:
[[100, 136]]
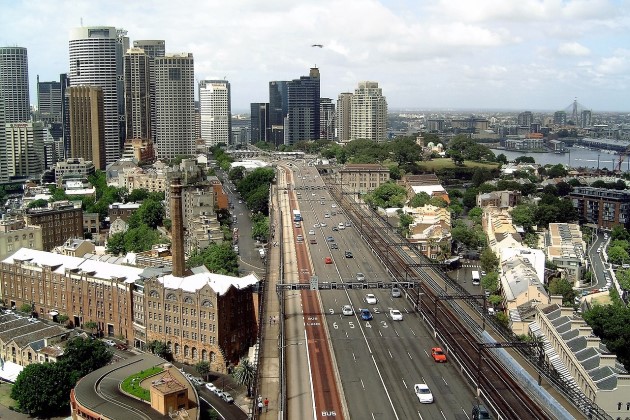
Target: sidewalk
[[269, 363]]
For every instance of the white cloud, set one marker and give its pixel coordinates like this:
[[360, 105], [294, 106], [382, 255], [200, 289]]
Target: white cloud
[[573, 49], [618, 64]]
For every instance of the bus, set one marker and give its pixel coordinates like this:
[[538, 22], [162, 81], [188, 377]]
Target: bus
[[297, 216], [475, 278]]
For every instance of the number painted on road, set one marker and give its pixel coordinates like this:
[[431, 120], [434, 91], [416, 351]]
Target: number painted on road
[[335, 326], [368, 325], [332, 311], [375, 310], [384, 324], [351, 324]]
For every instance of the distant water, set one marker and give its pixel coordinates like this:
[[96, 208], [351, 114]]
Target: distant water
[[574, 157]]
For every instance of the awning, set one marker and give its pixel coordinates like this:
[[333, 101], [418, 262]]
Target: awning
[[53, 313]]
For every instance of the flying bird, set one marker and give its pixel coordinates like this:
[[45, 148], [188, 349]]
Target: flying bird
[[317, 45]]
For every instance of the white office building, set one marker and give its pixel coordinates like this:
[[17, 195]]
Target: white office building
[[25, 148], [96, 59], [368, 119], [175, 105], [215, 111]]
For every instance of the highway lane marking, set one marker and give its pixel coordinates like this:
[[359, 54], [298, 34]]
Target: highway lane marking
[[354, 356], [420, 415], [404, 383], [465, 413], [412, 332], [425, 352], [397, 333], [380, 333], [444, 381], [362, 384], [409, 354], [390, 354], [442, 413]]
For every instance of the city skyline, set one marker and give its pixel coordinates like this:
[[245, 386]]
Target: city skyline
[[456, 54]]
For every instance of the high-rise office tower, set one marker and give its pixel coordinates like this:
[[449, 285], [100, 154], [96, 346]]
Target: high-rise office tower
[[25, 148], [87, 124], [137, 94], [49, 102], [327, 119], [278, 108], [96, 57], [368, 118], [560, 118], [525, 119], [215, 111], [259, 122], [303, 108], [152, 48], [586, 118], [175, 105], [64, 80], [344, 111], [14, 96]]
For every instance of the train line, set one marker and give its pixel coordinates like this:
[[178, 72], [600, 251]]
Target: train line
[[460, 332]]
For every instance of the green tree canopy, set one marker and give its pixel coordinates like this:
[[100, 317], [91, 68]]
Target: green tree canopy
[[218, 258], [38, 203], [617, 255], [490, 282], [150, 213], [610, 323], [260, 228], [489, 260], [387, 195], [561, 287], [42, 389], [83, 355], [419, 200], [138, 195], [619, 232]]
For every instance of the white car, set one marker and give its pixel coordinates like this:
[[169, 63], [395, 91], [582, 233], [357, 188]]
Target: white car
[[316, 225], [347, 310], [311, 232], [111, 343], [323, 224], [227, 398], [395, 314], [423, 393], [360, 277], [210, 387], [370, 299], [334, 206]]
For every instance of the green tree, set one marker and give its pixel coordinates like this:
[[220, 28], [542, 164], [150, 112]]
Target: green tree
[[26, 308], [42, 389], [394, 172], [83, 355], [150, 213], [495, 300], [501, 158], [610, 324], [564, 188], [90, 325], [490, 282], [561, 287], [469, 200], [203, 368], [619, 232], [387, 195], [557, 171], [159, 348], [244, 374], [38, 203], [404, 220], [419, 200], [138, 195], [258, 200], [141, 238], [617, 255], [523, 215], [218, 258], [260, 228], [489, 260], [475, 214], [236, 174], [405, 150], [524, 159], [116, 244]]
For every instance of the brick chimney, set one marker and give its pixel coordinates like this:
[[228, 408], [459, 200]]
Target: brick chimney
[[177, 229]]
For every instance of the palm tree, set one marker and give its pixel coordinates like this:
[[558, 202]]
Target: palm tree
[[244, 374]]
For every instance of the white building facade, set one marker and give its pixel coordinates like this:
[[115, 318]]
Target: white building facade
[[368, 117], [216, 112]]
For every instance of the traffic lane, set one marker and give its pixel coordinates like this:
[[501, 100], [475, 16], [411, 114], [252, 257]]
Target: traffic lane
[[409, 362], [227, 411]]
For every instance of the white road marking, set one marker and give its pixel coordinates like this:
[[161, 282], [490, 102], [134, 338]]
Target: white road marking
[[404, 383], [412, 332], [362, 384], [420, 415], [390, 354], [442, 413], [444, 381], [409, 354]]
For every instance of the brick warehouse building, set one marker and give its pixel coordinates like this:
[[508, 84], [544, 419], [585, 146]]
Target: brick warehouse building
[[201, 316], [59, 221]]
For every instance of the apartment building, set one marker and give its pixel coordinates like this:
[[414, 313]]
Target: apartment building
[[498, 227], [425, 183], [430, 229], [602, 207], [122, 211], [15, 234], [566, 248], [59, 221], [73, 168], [499, 199], [363, 178]]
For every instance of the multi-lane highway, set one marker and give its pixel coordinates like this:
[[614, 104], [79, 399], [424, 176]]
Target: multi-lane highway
[[378, 361]]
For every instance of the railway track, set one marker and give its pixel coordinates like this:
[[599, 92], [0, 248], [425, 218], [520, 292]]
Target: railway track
[[461, 333]]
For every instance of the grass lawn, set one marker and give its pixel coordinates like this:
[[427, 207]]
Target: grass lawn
[[131, 384], [447, 163], [5, 391]]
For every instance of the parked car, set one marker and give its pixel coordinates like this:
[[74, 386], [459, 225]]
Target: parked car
[[197, 381], [121, 346], [110, 342], [423, 393], [438, 355], [227, 398], [210, 387]]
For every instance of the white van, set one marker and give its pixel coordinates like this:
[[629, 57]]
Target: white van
[[341, 226]]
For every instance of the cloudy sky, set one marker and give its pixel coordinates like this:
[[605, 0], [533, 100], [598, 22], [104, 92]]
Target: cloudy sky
[[425, 54]]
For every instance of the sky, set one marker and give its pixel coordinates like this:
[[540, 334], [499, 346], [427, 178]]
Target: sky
[[425, 54]]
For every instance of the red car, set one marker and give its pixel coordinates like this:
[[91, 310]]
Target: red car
[[438, 355], [328, 260]]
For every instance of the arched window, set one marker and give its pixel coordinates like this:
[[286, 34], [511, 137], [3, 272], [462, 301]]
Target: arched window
[[204, 355], [206, 303], [154, 294], [194, 353], [186, 351], [188, 300], [213, 357], [176, 348], [171, 296]]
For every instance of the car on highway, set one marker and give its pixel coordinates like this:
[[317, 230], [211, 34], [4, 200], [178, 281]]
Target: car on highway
[[335, 229], [360, 277], [227, 398], [323, 224], [396, 293], [311, 232], [300, 238], [334, 246], [480, 412], [395, 315], [328, 260], [210, 387], [334, 206], [346, 310], [313, 241], [297, 225], [326, 215], [330, 239], [366, 315], [370, 299], [438, 355], [423, 393], [348, 254], [316, 225]]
